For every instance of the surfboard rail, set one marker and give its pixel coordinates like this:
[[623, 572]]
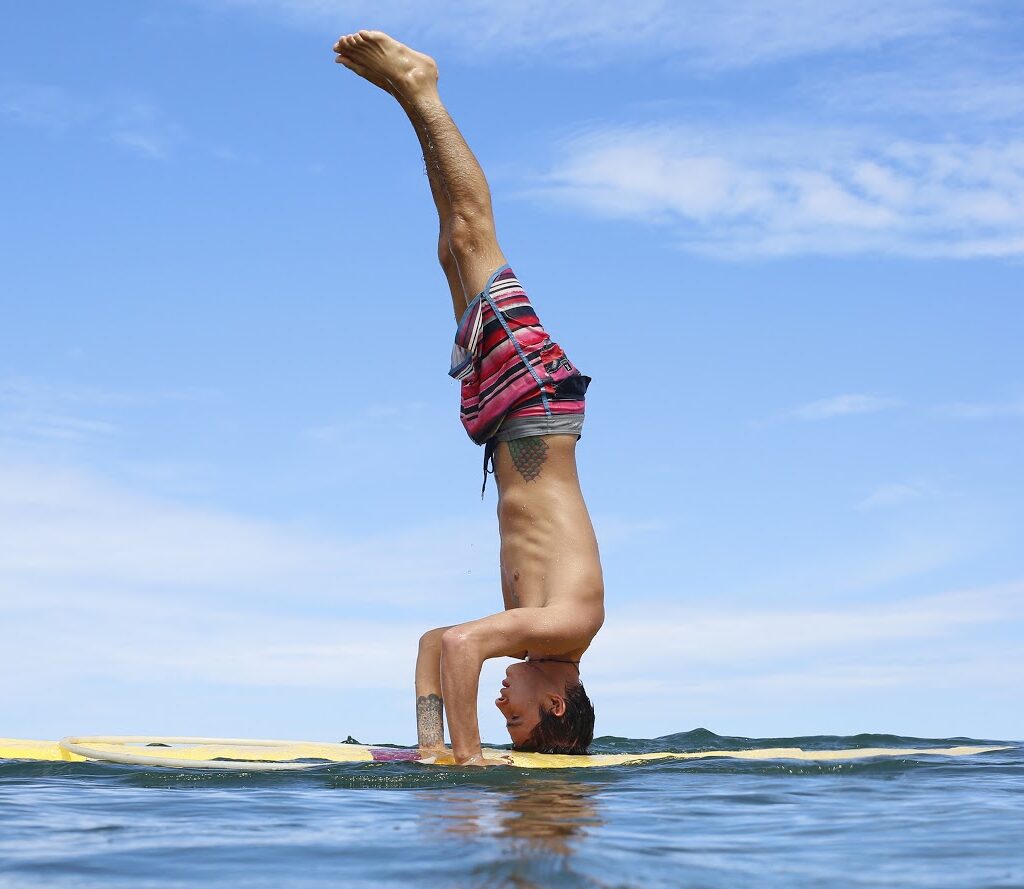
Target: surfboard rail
[[246, 754]]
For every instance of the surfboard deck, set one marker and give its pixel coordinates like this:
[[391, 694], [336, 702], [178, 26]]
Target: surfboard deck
[[239, 753]]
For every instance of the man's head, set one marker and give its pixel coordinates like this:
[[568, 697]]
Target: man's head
[[546, 708]]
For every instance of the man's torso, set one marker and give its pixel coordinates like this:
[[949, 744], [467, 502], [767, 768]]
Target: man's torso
[[549, 553]]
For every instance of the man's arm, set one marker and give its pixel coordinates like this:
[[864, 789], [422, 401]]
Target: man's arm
[[465, 647], [429, 704]]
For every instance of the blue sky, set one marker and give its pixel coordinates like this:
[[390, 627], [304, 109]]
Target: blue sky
[[785, 240]]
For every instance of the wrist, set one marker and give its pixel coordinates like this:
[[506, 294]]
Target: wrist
[[464, 755]]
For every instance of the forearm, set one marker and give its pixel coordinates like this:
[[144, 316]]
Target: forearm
[[429, 702], [460, 680]]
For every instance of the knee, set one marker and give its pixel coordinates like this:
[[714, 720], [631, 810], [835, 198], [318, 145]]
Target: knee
[[466, 233], [445, 255]]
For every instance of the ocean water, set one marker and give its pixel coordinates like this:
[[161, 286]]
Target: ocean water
[[916, 822]]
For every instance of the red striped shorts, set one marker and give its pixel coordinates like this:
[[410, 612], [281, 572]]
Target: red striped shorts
[[516, 381]]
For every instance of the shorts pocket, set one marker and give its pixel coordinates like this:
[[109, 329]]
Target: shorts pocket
[[572, 388]]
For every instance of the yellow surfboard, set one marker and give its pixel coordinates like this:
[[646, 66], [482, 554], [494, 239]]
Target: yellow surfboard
[[242, 754]]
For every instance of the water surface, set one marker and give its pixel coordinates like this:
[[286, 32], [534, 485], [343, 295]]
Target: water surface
[[921, 821]]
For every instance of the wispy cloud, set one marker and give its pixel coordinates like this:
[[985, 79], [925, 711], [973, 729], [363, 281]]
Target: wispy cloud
[[42, 105], [982, 667], [142, 127], [792, 189], [125, 120], [232, 648], [191, 592], [841, 406], [966, 410], [614, 530], [706, 35], [798, 189], [34, 410], [674, 640], [254, 648], [100, 583], [398, 419], [891, 495], [852, 668], [22, 426], [984, 90], [35, 391], [62, 529]]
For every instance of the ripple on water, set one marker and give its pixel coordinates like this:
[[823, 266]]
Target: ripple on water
[[903, 822]]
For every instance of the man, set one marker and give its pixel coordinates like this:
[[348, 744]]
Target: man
[[523, 400]]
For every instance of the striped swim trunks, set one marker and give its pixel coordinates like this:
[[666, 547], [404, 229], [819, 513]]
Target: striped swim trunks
[[516, 381]]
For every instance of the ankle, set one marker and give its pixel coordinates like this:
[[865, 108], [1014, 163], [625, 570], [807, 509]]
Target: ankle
[[419, 91]]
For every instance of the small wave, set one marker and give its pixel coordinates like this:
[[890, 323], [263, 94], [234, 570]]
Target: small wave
[[698, 739], [411, 775]]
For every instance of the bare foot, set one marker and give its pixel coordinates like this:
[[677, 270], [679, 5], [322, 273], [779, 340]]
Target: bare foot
[[386, 63]]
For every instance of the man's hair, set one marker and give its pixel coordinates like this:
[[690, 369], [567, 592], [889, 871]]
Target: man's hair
[[571, 732]]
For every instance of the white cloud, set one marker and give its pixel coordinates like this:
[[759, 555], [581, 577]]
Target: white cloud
[[990, 89], [22, 425], [614, 530], [33, 411], [109, 587], [374, 422], [701, 32], [799, 189], [62, 530], [842, 406], [34, 392], [986, 668], [104, 582], [983, 410], [144, 128], [41, 105], [122, 119], [183, 641], [159, 641], [891, 495], [667, 639]]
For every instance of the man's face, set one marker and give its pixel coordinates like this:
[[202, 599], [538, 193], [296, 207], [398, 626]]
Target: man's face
[[524, 690]]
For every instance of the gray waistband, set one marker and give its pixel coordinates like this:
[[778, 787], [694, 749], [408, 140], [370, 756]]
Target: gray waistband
[[527, 427]]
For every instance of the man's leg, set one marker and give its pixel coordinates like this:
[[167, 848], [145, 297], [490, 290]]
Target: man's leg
[[467, 245]]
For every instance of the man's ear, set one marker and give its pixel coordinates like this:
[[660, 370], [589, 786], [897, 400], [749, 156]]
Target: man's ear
[[556, 705]]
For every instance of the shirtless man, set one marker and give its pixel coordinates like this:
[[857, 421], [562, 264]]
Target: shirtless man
[[523, 399]]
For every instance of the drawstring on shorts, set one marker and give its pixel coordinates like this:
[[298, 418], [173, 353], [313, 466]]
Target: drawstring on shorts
[[488, 458]]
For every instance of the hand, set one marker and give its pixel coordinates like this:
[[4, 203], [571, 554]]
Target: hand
[[433, 750], [478, 759]]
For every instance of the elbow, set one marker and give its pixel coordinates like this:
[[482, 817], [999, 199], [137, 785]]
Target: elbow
[[431, 640], [456, 644]]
